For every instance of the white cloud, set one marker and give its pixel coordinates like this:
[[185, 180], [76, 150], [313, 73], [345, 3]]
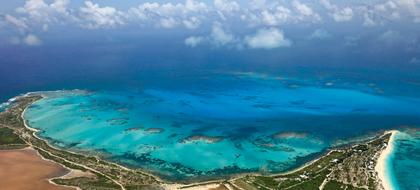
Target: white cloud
[[306, 11], [342, 15], [220, 37], [32, 40], [267, 39], [20, 24], [391, 37], [380, 13], [169, 15], [97, 17], [194, 6], [40, 11], [320, 34], [193, 41], [279, 15], [226, 5], [412, 7], [168, 22], [257, 4], [192, 23], [338, 14]]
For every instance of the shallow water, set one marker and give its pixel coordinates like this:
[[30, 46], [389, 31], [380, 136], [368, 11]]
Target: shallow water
[[227, 125], [404, 162]]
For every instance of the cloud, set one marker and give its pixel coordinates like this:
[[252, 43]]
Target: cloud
[[305, 11], [267, 39], [320, 34], [279, 15], [32, 40], [192, 22], [95, 16], [342, 15], [193, 41], [168, 22], [220, 37], [380, 13], [257, 4], [412, 7], [20, 24], [226, 5], [40, 11], [338, 14], [169, 15], [391, 37]]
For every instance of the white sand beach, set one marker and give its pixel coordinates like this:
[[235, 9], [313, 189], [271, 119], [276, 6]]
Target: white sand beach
[[381, 165]]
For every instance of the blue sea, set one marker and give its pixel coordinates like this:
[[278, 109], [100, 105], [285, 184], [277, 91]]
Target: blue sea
[[205, 126]]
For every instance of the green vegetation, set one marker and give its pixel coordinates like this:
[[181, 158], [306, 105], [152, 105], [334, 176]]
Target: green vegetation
[[333, 185], [99, 183], [350, 168], [9, 140]]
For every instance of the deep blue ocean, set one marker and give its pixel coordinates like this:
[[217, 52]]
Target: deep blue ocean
[[169, 113]]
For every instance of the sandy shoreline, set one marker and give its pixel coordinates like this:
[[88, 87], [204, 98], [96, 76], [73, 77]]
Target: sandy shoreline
[[381, 165]]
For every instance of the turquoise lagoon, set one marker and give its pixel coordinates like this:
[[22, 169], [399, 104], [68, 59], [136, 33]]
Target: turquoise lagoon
[[404, 161], [222, 125]]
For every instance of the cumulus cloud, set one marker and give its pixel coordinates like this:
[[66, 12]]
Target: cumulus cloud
[[257, 4], [170, 15], [380, 13], [226, 5], [168, 22], [18, 23], [305, 11], [32, 40], [279, 15], [42, 15], [193, 41], [410, 6], [320, 34], [41, 11], [338, 14], [192, 22], [345, 14], [98, 17], [220, 37], [390, 37], [267, 39]]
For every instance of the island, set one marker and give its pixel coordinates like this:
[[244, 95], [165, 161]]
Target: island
[[353, 166]]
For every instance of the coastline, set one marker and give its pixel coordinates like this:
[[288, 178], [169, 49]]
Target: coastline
[[382, 166], [181, 185]]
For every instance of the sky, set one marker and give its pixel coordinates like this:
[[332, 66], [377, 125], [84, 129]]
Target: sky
[[54, 44], [257, 24], [262, 33]]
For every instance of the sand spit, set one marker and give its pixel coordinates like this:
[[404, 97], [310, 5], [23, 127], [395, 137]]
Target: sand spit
[[381, 165]]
